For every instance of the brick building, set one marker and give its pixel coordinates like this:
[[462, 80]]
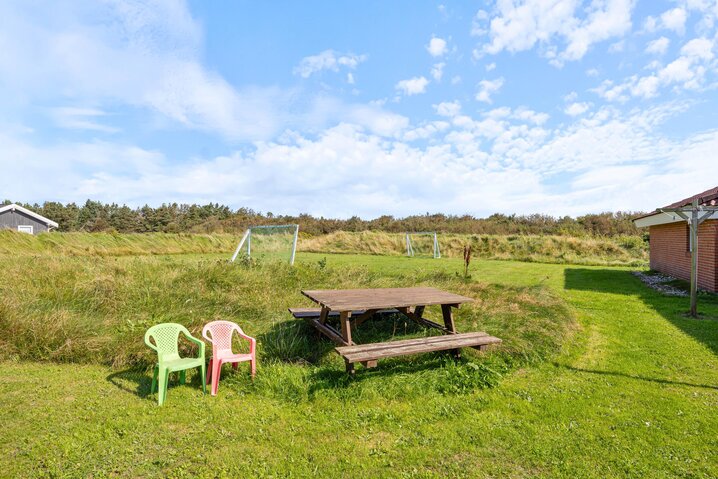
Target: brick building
[[670, 242]]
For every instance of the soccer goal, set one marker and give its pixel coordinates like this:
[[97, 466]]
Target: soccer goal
[[271, 241], [424, 243]]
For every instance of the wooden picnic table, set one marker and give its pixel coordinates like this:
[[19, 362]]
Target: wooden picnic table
[[409, 301], [354, 306]]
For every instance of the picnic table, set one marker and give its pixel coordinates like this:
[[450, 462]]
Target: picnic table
[[358, 305]]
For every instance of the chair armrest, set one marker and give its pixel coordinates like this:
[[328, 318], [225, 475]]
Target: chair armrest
[[252, 341], [199, 342], [148, 343]]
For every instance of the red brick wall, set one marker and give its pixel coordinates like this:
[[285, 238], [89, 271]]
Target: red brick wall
[[669, 252]]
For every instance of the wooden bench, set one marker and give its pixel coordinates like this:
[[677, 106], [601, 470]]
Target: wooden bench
[[369, 354], [304, 313]]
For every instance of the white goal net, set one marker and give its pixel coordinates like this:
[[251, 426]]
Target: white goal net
[[424, 243], [273, 242]]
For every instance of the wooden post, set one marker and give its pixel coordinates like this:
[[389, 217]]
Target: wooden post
[[449, 323], [694, 259], [448, 317], [344, 321]]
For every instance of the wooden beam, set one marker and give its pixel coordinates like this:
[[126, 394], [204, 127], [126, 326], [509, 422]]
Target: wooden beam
[[449, 323], [323, 315], [328, 331], [368, 314], [345, 323]]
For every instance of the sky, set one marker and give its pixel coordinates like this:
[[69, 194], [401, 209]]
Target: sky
[[561, 107]]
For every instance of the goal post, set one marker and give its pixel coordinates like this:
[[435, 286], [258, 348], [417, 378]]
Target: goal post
[[423, 243], [275, 241]]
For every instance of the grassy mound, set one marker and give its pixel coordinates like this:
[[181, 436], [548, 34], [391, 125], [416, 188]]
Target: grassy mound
[[81, 310], [621, 251]]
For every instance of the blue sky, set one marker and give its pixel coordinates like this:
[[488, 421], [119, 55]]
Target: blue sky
[[361, 108]]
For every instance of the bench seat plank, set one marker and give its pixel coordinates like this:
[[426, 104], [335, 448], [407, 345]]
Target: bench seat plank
[[375, 351]]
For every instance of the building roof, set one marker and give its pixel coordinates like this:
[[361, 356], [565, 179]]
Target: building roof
[[13, 207], [707, 198]]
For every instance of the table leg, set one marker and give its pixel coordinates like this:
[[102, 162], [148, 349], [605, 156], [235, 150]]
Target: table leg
[[344, 321], [449, 323], [324, 315]]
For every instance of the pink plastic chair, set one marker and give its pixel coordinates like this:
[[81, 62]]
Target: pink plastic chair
[[221, 340]]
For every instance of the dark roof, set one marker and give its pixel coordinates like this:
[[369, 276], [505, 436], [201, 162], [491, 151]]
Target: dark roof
[[707, 198]]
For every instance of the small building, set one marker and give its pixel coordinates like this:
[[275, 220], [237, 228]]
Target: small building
[[670, 248], [17, 218]]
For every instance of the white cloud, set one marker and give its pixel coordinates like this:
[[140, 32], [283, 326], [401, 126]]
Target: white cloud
[[576, 109], [426, 131], [503, 161], [437, 47], [490, 67], [145, 56], [520, 26], [412, 86], [658, 46], [687, 71], [448, 108], [570, 96], [80, 118], [141, 55], [437, 71], [327, 60], [487, 88], [674, 19]]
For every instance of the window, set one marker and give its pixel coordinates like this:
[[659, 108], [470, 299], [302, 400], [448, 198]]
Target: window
[[25, 229]]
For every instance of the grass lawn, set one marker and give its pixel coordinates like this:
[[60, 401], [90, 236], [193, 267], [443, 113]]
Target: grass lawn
[[600, 377]]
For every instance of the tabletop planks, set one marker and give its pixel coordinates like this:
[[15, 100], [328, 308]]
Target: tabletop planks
[[382, 298]]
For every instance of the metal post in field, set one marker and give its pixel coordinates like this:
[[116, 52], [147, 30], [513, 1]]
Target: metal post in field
[[294, 245]]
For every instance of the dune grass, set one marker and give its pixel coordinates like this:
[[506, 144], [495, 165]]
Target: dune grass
[[620, 251], [72, 309], [632, 393]]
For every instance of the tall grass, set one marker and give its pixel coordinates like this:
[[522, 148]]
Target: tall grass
[[97, 309], [114, 244], [628, 251]]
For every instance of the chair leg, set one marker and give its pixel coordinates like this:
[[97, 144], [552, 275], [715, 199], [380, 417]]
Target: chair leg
[[216, 371], [204, 378], [155, 371], [234, 366], [162, 385], [183, 376]]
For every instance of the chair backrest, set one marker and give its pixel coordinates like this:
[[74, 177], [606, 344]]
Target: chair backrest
[[166, 338], [221, 333]]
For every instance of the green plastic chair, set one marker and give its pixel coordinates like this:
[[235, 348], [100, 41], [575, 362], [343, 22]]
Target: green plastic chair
[[166, 338]]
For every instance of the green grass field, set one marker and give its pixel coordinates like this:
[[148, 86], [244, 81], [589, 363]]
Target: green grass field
[[598, 375]]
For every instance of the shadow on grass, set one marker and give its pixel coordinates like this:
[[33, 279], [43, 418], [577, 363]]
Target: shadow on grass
[[636, 377], [139, 381], [296, 341], [671, 308]]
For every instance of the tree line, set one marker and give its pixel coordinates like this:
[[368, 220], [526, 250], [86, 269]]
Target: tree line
[[95, 216]]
